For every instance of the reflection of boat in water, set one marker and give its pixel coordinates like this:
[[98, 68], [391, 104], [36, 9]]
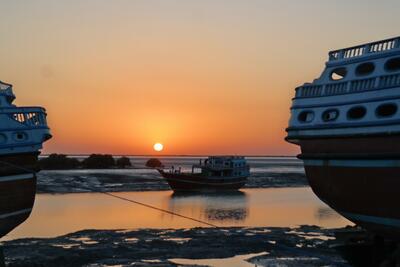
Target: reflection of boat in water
[[22, 132], [215, 174], [347, 123], [227, 207]]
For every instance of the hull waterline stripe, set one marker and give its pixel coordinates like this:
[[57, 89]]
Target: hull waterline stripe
[[353, 163], [16, 177], [15, 213], [372, 219], [342, 125]]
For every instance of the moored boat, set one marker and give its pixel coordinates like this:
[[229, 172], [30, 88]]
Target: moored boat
[[347, 123], [216, 173], [22, 132]]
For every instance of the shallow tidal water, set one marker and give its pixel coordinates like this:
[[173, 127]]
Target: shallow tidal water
[[59, 214], [266, 172]]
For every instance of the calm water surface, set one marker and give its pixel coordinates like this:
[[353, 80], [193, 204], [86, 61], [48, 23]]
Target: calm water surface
[[55, 215]]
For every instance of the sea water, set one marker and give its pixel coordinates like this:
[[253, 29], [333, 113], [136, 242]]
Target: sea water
[[58, 214]]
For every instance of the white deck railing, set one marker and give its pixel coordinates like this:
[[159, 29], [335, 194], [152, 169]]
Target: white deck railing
[[364, 49], [339, 88], [28, 116]]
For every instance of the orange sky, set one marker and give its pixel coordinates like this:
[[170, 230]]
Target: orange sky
[[201, 77]]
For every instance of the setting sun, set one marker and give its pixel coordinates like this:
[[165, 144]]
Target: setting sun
[[158, 147]]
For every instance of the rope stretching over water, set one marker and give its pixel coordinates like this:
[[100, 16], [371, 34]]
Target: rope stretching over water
[[159, 209], [122, 198]]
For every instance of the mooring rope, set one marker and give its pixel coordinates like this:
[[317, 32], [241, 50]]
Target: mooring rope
[[122, 198], [159, 209]]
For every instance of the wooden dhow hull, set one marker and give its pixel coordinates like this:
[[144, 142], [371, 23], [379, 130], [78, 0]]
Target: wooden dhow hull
[[180, 182], [359, 177], [354, 167], [17, 189], [364, 191]]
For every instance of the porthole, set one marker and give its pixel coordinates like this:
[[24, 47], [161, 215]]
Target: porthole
[[20, 136], [330, 115], [386, 110], [393, 64], [356, 113], [306, 116], [365, 69], [338, 74], [3, 138]]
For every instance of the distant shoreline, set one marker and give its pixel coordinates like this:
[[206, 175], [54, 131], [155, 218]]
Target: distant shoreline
[[187, 156]]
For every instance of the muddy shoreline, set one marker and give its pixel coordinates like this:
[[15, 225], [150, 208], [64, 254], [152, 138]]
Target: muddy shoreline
[[303, 246], [261, 246], [124, 180]]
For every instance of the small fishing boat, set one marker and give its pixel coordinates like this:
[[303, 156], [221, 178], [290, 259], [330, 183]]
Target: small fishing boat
[[22, 133], [216, 173]]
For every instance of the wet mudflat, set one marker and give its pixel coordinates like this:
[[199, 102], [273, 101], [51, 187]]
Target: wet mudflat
[[220, 247], [122, 180], [266, 172], [231, 246]]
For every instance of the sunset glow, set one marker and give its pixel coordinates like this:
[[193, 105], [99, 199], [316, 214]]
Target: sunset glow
[[206, 77]]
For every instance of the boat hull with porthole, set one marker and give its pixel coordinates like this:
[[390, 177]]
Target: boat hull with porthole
[[17, 189], [23, 130], [348, 129]]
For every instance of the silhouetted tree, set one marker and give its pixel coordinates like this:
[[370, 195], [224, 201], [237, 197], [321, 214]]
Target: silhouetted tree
[[123, 162], [98, 161], [154, 163], [58, 162]]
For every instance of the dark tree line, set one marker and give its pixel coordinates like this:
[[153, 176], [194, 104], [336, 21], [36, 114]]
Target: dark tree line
[[94, 161]]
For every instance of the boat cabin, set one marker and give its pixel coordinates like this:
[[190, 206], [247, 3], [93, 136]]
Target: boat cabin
[[23, 129], [224, 166], [358, 87]]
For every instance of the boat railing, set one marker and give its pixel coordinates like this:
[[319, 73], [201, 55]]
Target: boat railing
[[312, 90], [30, 116], [219, 166], [361, 50], [389, 80], [362, 85], [379, 82], [335, 88]]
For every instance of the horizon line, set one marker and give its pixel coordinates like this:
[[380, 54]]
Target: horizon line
[[167, 155]]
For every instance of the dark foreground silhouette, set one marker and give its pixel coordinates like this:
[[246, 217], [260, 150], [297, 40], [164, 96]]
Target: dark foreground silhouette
[[301, 246]]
